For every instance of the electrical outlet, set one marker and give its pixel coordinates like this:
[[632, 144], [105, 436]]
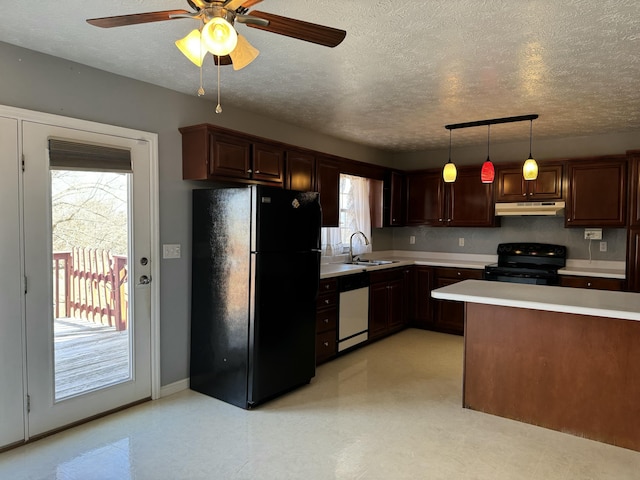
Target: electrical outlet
[[171, 251], [412, 240], [461, 242], [593, 234], [603, 246]]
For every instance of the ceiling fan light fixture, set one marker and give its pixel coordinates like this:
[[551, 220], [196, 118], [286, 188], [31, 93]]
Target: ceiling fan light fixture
[[191, 47], [219, 37]]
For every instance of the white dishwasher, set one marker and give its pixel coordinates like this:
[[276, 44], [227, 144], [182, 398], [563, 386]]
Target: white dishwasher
[[353, 317]]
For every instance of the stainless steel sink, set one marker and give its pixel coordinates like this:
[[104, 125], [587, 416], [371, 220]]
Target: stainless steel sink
[[371, 262]]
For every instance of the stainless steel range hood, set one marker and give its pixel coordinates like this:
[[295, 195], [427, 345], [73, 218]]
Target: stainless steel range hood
[[530, 208]]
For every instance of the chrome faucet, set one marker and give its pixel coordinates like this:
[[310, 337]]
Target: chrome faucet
[[366, 242]]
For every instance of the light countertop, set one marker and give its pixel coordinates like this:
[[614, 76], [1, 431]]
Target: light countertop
[[600, 303], [605, 269]]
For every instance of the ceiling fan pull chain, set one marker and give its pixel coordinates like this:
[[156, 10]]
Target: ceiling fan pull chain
[[218, 107], [201, 89]]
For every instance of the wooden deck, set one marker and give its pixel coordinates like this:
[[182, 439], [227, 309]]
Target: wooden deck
[[88, 356]]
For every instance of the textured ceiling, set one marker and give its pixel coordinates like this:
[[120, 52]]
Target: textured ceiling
[[403, 72]]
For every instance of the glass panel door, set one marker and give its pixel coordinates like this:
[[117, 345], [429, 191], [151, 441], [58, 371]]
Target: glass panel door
[[87, 265]]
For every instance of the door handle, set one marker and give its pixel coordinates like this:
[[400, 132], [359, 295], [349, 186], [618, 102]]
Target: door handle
[[144, 280]]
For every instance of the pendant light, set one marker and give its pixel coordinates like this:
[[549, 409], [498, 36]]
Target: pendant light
[[488, 173], [530, 167], [449, 172]]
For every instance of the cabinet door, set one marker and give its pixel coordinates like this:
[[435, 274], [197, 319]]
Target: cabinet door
[[268, 163], [510, 184], [421, 295], [634, 188], [424, 193], [378, 309], [449, 315], [548, 185], [301, 171], [470, 200], [229, 156], [328, 178], [394, 196], [395, 295], [597, 193], [633, 260]]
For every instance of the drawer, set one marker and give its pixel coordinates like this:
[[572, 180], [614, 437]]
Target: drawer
[[328, 285], [328, 300], [326, 345], [597, 283], [326, 319], [389, 275], [459, 273]]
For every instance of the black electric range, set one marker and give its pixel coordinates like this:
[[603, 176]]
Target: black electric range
[[534, 263]]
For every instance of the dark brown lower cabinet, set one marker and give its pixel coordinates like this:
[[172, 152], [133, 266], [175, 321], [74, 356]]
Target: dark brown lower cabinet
[[448, 316], [386, 302], [327, 321], [420, 309]]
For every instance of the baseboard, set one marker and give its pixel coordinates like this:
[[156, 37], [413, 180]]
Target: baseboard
[[174, 387]]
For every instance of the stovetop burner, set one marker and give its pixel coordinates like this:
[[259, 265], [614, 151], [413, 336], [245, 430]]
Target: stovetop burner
[[535, 263]]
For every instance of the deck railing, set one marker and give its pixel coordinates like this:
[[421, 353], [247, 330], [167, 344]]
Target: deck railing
[[91, 284]]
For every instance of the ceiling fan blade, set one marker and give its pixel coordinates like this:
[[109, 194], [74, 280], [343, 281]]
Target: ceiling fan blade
[[136, 18], [309, 32], [232, 4], [250, 3], [243, 54]]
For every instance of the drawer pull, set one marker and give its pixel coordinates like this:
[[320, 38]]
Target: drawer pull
[[588, 284], [326, 344], [326, 320], [327, 301]]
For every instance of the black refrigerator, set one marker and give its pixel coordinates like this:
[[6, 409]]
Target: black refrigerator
[[255, 275]]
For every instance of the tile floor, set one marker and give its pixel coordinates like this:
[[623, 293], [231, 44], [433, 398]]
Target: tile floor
[[388, 411]]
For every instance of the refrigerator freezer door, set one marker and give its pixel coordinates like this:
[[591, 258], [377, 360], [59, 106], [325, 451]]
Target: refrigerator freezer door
[[285, 220], [282, 323]]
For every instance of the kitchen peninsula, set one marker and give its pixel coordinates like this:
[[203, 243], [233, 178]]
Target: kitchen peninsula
[[562, 358]]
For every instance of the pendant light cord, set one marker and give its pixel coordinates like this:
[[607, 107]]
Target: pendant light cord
[[530, 136], [449, 146], [218, 107], [488, 143]]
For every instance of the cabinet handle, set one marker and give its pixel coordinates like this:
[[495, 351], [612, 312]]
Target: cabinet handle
[[524, 194], [440, 219], [326, 320], [326, 302], [257, 171], [326, 344], [327, 287], [249, 171], [459, 273], [588, 284]]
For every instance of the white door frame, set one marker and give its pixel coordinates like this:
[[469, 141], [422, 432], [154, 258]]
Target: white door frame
[[22, 115]]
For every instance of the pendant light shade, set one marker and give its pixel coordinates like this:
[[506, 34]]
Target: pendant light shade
[[530, 167], [449, 172], [488, 172]]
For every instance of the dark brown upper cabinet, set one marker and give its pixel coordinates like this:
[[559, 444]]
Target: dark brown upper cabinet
[[597, 192], [512, 187], [212, 153], [634, 187], [467, 202], [328, 185], [301, 171], [394, 200]]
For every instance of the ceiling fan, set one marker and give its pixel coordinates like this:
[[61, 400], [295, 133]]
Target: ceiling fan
[[218, 18]]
